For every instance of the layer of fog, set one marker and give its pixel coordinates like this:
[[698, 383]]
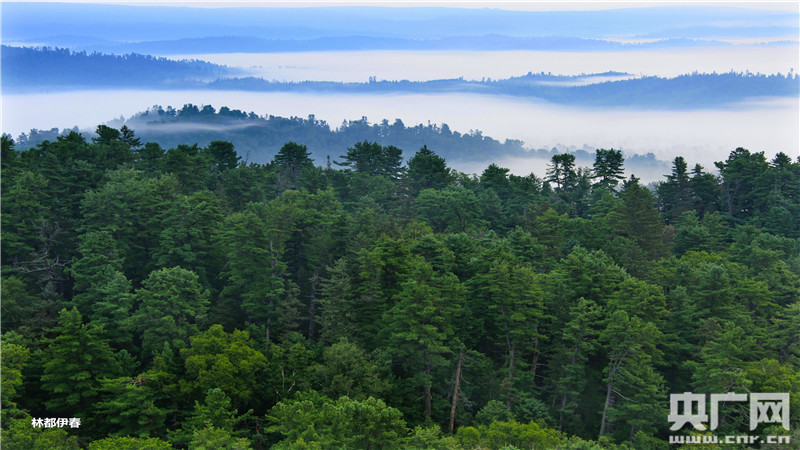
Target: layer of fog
[[701, 136], [421, 66]]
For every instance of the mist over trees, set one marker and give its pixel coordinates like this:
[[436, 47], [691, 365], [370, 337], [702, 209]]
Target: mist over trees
[[181, 297], [689, 91], [25, 69], [258, 139]]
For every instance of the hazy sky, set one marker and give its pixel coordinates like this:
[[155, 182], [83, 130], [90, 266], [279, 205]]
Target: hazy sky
[[508, 5]]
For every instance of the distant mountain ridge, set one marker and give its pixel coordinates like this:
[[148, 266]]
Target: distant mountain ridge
[[683, 92], [249, 44], [24, 67], [33, 69]]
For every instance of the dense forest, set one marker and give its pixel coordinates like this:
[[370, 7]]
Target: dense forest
[[35, 68], [180, 297]]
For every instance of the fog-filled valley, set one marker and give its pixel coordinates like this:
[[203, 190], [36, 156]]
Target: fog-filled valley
[[702, 116], [660, 80]]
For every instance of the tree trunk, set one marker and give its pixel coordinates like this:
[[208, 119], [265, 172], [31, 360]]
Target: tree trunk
[[510, 378], [269, 319], [428, 394], [510, 348], [312, 306], [536, 353], [455, 391], [609, 391], [564, 396], [273, 266]]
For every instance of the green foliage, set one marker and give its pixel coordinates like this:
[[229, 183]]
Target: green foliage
[[706, 234], [76, 361], [608, 168], [22, 311], [493, 411], [574, 304], [502, 434], [427, 170], [578, 340], [371, 158], [222, 155], [129, 207], [103, 291], [562, 172], [13, 358], [23, 213], [288, 369], [172, 305], [129, 443], [189, 165], [431, 438], [345, 370], [316, 420], [637, 218], [634, 390], [212, 438], [676, 196], [292, 160], [742, 184], [722, 363], [132, 407], [18, 433], [228, 361], [450, 210], [187, 238], [417, 327], [213, 422]]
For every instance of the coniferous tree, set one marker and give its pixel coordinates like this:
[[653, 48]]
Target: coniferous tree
[[675, 195], [77, 360], [744, 183], [608, 170], [172, 307], [637, 218], [427, 170], [630, 346], [562, 172], [418, 330], [578, 340]]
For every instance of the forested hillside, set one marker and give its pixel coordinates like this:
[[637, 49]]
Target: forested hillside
[[259, 138], [25, 68], [178, 297]]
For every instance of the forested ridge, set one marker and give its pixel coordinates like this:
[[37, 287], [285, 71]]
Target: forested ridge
[[688, 91], [179, 297], [258, 138], [25, 68]]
